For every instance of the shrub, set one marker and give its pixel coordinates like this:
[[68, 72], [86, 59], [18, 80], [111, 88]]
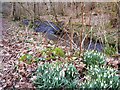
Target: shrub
[[102, 77], [27, 58], [56, 76], [93, 58], [52, 53]]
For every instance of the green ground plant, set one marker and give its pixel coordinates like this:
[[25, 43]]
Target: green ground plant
[[102, 78], [53, 53], [56, 76], [27, 58], [109, 50], [92, 58]]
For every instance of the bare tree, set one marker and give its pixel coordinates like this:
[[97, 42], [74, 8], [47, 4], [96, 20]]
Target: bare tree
[[34, 11], [13, 13], [119, 26], [81, 32], [54, 12]]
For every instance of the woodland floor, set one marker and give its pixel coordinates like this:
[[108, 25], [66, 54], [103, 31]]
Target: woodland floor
[[15, 43], [9, 51]]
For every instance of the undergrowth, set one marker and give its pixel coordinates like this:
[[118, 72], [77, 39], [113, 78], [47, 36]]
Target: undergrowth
[[63, 75], [56, 76]]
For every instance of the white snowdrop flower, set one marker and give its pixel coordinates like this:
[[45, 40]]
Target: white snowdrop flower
[[94, 54], [105, 75], [88, 56], [108, 76], [110, 86], [95, 83], [90, 85], [57, 68], [98, 76], [112, 75], [111, 82], [56, 78], [62, 73], [49, 81], [46, 71], [102, 84], [105, 85], [117, 84], [33, 78]]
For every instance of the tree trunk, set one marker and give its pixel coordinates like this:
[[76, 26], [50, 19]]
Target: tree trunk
[[13, 15], [119, 27], [34, 10]]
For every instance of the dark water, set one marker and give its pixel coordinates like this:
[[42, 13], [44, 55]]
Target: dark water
[[51, 31], [95, 46]]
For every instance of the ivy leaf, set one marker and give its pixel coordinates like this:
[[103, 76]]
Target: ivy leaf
[[22, 58], [29, 57], [26, 58]]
